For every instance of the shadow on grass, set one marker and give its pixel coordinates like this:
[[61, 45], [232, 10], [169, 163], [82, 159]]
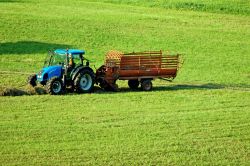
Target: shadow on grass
[[28, 47], [190, 87], [9, 1], [170, 88]]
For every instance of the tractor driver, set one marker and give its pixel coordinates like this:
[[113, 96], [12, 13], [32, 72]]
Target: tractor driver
[[71, 62]]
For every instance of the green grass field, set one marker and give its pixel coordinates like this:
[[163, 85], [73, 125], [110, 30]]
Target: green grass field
[[201, 118]]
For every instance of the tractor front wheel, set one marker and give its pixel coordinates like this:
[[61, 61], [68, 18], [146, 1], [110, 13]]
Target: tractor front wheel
[[54, 86], [84, 81], [32, 80]]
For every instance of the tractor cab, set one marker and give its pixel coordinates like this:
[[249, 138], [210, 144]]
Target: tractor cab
[[65, 58], [61, 61], [65, 65]]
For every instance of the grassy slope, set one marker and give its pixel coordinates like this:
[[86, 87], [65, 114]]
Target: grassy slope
[[223, 6], [201, 118]]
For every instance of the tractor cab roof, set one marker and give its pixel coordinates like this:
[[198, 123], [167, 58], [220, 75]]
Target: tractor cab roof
[[70, 51]]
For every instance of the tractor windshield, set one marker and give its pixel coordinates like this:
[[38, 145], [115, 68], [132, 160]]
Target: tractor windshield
[[55, 59], [47, 59]]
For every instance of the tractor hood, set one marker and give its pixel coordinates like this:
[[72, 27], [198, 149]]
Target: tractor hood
[[51, 68], [48, 72]]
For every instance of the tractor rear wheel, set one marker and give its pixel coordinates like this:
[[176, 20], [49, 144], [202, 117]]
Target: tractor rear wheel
[[54, 86], [146, 85], [84, 81], [133, 84], [32, 80]]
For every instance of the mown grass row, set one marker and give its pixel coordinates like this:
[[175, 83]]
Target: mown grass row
[[224, 6]]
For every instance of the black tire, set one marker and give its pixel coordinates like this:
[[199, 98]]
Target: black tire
[[84, 81], [133, 84], [146, 85], [32, 80], [54, 86]]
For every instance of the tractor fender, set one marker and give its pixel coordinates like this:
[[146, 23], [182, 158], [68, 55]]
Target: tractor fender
[[78, 70]]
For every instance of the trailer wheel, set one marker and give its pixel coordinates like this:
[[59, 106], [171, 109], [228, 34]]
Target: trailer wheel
[[54, 86], [32, 80], [133, 84], [84, 81], [146, 85]]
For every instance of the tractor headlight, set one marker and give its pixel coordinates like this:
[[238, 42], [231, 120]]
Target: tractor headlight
[[39, 74]]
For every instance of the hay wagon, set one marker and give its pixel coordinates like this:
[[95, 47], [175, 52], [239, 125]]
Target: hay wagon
[[139, 68]]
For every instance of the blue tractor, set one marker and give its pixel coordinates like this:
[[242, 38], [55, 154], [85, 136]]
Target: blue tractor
[[65, 68]]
